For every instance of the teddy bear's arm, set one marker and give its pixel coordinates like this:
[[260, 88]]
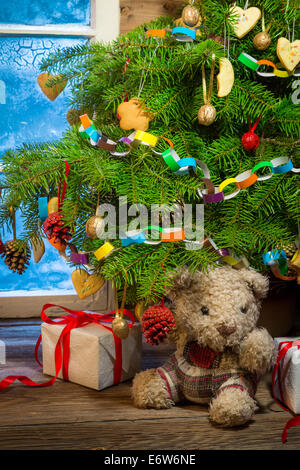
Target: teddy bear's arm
[[257, 351]]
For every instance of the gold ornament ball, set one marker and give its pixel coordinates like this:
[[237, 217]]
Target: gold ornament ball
[[262, 41], [92, 225], [120, 327], [190, 15], [207, 114]]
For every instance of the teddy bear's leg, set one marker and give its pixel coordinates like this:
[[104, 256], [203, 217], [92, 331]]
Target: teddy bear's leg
[[232, 407], [149, 390]]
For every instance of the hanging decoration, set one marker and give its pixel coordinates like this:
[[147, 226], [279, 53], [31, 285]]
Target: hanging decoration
[[288, 53], [277, 261], [42, 205], [119, 325], [207, 113], [51, 92], [16, 254], [94, 227], [250, 140], [262, 40], [254, 64], [247, 19], [86, 284], [133, 115], [54, 226], [38, 248], [190, 14], [225, 78], [52, 205], [157, 322]]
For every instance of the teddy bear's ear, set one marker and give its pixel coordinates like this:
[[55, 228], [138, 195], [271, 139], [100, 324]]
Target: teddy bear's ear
[[256, 281], [182, 280]]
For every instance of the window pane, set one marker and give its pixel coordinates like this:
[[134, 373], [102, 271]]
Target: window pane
[[45, 12], [27, 115]]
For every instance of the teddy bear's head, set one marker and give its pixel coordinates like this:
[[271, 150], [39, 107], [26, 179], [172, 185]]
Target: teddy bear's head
[[217, 308]]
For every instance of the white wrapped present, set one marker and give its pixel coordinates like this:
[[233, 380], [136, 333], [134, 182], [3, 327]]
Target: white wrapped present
[[289, 375], [93, 354]]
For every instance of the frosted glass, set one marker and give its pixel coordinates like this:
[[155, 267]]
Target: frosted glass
[[27, 115], [44, 12]]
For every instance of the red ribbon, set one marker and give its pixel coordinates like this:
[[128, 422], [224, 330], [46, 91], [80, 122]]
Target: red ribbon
[[283, 348], [76, 319], [61, 198]]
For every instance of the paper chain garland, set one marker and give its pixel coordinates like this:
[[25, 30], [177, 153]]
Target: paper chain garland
[[277, 260], [254, 64], [180, 33], [184, 166]]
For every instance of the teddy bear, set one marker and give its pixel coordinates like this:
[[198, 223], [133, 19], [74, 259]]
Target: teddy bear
[[221, 354]]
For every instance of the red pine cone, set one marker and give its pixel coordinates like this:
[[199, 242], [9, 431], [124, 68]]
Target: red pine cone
[[2, 247], [54, 228], [157, 322]]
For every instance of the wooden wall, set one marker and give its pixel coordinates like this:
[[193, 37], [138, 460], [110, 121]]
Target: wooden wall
[[136, 12]]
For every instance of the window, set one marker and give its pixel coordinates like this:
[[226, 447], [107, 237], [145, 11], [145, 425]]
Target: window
[[29, 31]]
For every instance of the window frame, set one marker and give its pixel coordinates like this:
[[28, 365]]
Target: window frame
[[104, 26]]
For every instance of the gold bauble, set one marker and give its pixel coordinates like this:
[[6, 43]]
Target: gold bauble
[[139, 310], [207, 114], [120, 327], [53, 205], [91, 226], [262, 41], [190, 15]]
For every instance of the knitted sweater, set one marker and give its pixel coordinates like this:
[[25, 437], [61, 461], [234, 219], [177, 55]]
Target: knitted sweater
[[201, 373]]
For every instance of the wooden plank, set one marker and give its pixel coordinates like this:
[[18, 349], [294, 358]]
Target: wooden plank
[[136, 12], [68, 416], [160, 434]]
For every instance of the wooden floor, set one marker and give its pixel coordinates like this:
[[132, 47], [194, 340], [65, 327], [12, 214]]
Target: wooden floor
[[68, 416]]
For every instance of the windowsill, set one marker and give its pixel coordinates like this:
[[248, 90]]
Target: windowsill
[[36, 293]]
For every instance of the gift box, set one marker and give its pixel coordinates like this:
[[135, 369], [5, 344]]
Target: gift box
[[287, 385], [93, 354]]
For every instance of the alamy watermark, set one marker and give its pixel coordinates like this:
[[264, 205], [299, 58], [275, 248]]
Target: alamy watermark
[[179, 222]]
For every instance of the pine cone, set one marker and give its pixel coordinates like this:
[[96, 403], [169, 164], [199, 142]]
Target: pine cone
[[16, 257], [157, 322], [54, 228]]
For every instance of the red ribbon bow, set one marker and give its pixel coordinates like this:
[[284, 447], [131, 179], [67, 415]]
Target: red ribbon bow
[[284, 346], [76, 319]]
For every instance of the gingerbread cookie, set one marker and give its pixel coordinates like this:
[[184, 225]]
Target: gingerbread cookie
[[247, 19], [225, 77], [288, 53], [133, 116]]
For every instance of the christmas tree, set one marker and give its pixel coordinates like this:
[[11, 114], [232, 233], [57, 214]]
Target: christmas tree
[[166, 76]]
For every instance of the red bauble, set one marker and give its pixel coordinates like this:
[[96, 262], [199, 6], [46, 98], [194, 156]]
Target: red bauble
[[157, 322], [250, 140], [55, 229]]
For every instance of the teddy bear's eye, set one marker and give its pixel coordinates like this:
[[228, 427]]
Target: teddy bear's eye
[[205, 310], [243, 309]]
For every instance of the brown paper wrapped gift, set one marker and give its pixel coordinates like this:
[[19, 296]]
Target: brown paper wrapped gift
[[92, 354]]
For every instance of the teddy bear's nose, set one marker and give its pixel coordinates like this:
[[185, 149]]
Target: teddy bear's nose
[[226, 330]]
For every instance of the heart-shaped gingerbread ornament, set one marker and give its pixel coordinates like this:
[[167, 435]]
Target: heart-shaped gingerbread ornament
[[86, 284], [247, 19], [51, 92], [133, 116], [288, 53]]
